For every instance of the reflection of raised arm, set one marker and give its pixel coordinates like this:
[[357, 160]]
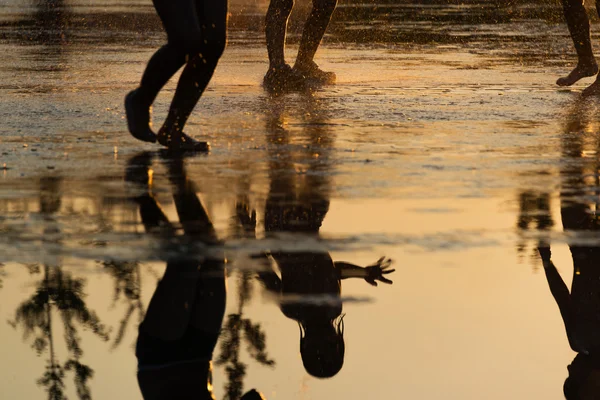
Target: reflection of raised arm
[[247, 219], [270, 279], [371, 273], [558, 288]]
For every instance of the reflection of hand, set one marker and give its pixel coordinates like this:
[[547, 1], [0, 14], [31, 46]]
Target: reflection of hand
[[246, 217], [377, 271]]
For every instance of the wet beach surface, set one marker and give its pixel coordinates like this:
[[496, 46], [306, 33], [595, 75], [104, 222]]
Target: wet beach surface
[[445, 145]]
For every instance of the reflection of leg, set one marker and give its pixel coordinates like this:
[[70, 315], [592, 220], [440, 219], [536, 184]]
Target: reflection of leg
[[169, 310], [579, 27], [167, 315], [313, 33], [211, 292], [192, 215], [138, 172], [204, 45]]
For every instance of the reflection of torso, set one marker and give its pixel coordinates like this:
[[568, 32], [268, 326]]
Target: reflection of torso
[[314, 279], [585, 297]]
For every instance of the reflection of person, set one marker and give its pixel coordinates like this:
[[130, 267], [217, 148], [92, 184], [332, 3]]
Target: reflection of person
[[180, 330], [310, 282], [579, 308], [280, 74], [196, 33], [579, 28]]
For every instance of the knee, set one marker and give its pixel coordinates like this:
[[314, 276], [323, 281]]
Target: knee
[[213, 49], [207, 48], [325, 6]]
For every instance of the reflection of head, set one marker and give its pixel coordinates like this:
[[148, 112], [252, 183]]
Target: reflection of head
[[322, 346], [583, 382]]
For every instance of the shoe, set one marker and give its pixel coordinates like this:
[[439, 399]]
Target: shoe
[[183, 143], [138, 119], [284, 78], [311, 72]]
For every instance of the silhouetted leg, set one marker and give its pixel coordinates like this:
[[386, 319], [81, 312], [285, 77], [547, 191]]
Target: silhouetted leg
[[312, 35], [314, 30], [179, 19], [280, 75], [204, 50], [594, 88], [276, 22], [579, 27]]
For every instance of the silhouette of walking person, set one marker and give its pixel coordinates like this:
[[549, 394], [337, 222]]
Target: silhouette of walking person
[[196, 37], [280, 75], [310, 282], [180, 330], [579, 28], [579, 308]]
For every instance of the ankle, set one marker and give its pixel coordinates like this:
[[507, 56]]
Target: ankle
[[140, 98], [303, 64], [587, 63]]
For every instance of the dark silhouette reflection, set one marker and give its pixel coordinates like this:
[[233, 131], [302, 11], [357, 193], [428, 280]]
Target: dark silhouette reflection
[[180, 330], [579, 308], [50, 22], [310, 281], [58, 293]]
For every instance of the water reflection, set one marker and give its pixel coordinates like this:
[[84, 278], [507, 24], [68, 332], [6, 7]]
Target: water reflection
[[579, 308], [60, 294], [309, 281], [180, 330]]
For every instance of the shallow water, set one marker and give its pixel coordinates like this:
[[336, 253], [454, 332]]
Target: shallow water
[[445, 146]]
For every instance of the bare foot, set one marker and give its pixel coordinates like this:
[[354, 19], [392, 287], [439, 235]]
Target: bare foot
[[580, 71], [138, 118], [180, 142], [592, 90]]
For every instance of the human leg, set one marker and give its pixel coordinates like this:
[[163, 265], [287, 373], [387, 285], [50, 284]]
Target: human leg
[[276, 22], [594, 88], [203, 42], [280, 75], [579, 28], [161, 67], [314, 30]]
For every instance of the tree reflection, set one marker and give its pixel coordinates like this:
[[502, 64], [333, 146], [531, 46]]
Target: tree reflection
[[127, 282], [58, 293], [236, 330]]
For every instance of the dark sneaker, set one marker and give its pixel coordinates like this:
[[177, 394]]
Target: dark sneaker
[[314, 74], [138, 119], [283, 78]]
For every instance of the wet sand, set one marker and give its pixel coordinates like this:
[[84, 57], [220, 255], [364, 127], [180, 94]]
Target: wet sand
[[444, 145]]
